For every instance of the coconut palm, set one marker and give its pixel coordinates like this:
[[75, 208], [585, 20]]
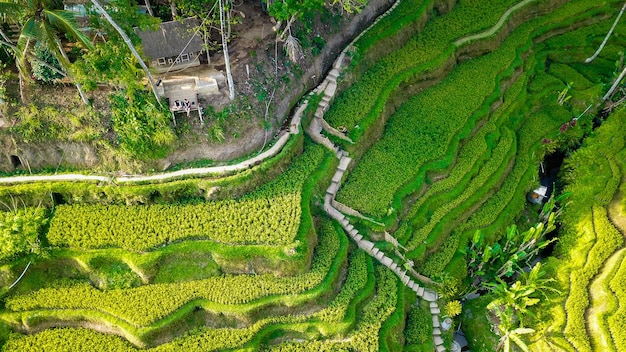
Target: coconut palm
[[225, 37], [606, 38], [609, 93], [41, 23], [130, 45]]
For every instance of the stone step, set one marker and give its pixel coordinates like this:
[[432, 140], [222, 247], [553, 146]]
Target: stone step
[[353, 232], [375, 251], [332, 189], [366, 245], [440, 348], [344, 222], [330, 89], [380, 255], [335, 214], [386, 261], [338, 175], [339, 154], [358, 238], [436, 321], [420, 291], [430, 295], [438, 340], [436, 331], [393, 266], [333, 74], [349, 228], [434, 311], [434, 305], [343, 163], [339, 61]]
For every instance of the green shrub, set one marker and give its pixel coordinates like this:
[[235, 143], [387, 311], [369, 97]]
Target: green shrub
[[418, 327], [19, 231], [141, 124]]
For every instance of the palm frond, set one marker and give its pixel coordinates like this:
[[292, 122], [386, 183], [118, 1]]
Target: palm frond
[[66, 22], [10, 9], [29, 33], [53, 44], [293, 48]]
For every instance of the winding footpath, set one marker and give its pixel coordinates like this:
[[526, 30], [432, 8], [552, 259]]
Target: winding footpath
[[174, 175], [328, 88]]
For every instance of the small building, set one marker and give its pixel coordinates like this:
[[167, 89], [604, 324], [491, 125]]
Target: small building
[[538, 196], [174, 46]]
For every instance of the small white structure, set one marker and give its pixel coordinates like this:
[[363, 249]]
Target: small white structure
[[537, 196]]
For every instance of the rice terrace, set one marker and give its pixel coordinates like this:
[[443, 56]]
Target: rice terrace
[[346, 175]]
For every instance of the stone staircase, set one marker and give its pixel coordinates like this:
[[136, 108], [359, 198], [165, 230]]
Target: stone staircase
[[369, 247], [328, 88]]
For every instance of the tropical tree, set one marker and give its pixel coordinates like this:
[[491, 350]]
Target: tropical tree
[[130, 46], [225, 38], [41, 22], [609, 93], [514, 250], [513, 335], [514, 301]]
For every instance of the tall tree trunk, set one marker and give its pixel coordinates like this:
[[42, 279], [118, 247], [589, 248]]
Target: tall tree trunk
[[149, 7], [589, 59], [130, 46], [173, 9], [608, 94], [229, 75], [22, 71], [206, 46], [83, 97]]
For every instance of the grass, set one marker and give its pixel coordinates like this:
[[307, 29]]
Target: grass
[[476, 325], [195, 265]]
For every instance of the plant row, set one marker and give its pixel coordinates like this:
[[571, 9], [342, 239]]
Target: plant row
[[507, 201], [421, 131], [270, 216], [364, 336], [144, 305], [271, 221], [368, 95], [359, 283], [607, 241], [588, 238]]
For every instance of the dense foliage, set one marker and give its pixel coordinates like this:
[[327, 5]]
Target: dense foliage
[[448, 143], [272, 221], [20, 230]]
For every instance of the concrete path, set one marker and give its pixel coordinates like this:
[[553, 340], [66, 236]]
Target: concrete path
[[496, 27], [168, 176], [328, 87]]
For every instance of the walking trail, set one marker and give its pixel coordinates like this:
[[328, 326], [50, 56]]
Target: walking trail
[[328, 88]]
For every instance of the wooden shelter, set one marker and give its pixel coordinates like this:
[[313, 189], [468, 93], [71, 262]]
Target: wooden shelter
[[173, 46]]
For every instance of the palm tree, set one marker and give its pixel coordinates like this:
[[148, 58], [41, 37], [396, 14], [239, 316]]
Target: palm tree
[[609, 93], [513, 335], [42, 23], [130, 46], [225, 37]]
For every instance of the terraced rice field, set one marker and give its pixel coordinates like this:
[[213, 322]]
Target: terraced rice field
[[451, 106]]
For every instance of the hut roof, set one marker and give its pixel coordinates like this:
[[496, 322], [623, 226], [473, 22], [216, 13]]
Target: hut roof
[[170, 39]]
